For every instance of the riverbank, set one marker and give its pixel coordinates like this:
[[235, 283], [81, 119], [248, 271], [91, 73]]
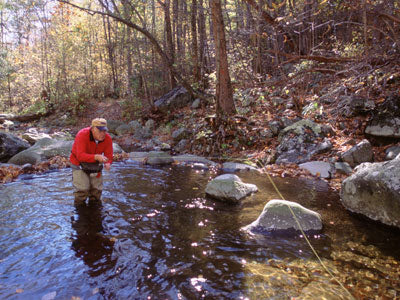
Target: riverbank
[[341, 107]]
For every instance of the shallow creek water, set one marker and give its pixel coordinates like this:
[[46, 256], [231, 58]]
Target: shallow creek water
[[156, 236]]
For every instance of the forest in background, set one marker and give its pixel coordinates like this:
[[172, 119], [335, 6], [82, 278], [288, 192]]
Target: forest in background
[[57, 55]]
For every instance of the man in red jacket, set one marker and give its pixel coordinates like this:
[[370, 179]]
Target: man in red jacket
[[92, 144]]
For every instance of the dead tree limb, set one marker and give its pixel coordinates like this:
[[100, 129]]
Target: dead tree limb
[[167, 61], [27, 118], [314, 57]]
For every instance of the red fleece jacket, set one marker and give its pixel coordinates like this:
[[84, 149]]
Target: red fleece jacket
[[85, 147]]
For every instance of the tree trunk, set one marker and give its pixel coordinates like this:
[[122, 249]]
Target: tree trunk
[[170, 42], [195, 56], [224, 93]]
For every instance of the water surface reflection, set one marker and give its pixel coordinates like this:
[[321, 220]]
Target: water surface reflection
[[157, 236]]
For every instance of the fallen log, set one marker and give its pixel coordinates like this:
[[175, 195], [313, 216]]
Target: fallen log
[[25, 118]]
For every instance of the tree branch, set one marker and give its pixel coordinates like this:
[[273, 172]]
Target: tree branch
[[148, 35], [314, 57]]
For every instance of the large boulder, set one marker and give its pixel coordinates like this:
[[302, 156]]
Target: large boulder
[[32, 135], [362, 152], [319, 168], [123, 129], [10, 145], [354, 105], [179, 134], [232, 167], [112, 125], [229, 188], [159, 158], [45, 149], [189, 159], [176, 98], [386, 119], [42, 150], [298, 142], [374, 191], [277, 217]]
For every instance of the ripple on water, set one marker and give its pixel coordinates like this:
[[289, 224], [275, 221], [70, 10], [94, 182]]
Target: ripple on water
[[157, 235]]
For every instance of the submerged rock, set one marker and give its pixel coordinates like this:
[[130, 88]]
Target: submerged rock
[[159, 158], [230, 188], [277, 217], [230, 167], [190, 159], [374, 191]]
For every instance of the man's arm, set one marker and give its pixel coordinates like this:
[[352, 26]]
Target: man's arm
[[80, 149], [108, 152]]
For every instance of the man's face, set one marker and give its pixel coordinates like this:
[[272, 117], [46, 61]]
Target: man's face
[[98, 134]]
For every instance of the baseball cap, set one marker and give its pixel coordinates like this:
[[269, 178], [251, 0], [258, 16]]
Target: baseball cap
[[100, 123]]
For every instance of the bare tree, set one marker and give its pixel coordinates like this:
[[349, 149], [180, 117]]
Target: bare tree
[[116, 15], [224, 92]]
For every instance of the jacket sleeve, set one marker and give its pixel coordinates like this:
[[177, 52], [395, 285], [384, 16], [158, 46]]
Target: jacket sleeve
[[108, 151], [81, 142]]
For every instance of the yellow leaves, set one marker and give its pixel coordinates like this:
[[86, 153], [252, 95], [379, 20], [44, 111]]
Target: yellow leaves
[[8, 173]]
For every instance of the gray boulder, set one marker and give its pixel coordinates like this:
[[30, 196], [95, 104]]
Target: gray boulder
[[123, 129], [229, 188], [117, 149], [140, 157], [191, 159], [387, 127], [179, 134], [180, 147], [354, 105], [7, 125], [392, 152], [374, 191], [32, 135], [176, 98], [141, 132], [362, 152], [319, 168], [112, 125], [231, 167], [10, 145], [47, 148], [42, 150], [196, 104], [159, 158], [297, 142], [150, 124], [386, 119], [343, 168], [277, 217]]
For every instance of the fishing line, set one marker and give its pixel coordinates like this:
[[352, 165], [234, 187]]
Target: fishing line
[[301, 230]]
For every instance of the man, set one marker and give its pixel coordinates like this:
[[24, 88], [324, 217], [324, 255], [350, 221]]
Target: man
[[92, 144]]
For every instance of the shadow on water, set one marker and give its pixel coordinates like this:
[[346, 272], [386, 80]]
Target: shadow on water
[[157, 235], [89, 242]]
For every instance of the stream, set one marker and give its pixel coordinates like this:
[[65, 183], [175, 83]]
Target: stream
[[157, 236]]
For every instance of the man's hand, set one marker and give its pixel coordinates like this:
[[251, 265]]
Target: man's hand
[[100, 158], [107, 167]]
